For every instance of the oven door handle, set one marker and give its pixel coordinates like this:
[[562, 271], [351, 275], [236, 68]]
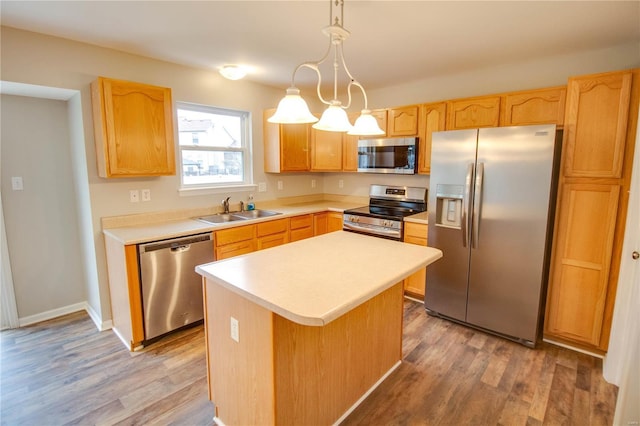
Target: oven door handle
[[351, 226]]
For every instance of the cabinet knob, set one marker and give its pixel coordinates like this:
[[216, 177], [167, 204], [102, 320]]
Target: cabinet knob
[[635, 255]]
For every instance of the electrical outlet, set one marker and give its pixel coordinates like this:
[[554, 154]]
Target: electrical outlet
[[16, 183], [280, 186], [313, 183], [341, 183], [134, 196], [235, 331], [262, 187], [146, 195]]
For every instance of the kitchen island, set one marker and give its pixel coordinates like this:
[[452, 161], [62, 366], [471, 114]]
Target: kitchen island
[[301, 333]]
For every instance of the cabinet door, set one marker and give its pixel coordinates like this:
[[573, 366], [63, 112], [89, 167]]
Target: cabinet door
[[596, 125], [544, 106], [350, 153], [286, 146], [434, 119], [416, 233], [320, 223], [326, 151], [381, 117], [473, 112], [583, 241], [133, 127], [272, 241], [335, 221], [403, 121], [294, 147]]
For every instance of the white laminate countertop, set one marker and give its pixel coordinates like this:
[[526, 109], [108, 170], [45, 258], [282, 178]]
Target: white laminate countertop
[[316, 280]]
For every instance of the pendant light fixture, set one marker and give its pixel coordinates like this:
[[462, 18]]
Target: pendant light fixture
[[293, 109]]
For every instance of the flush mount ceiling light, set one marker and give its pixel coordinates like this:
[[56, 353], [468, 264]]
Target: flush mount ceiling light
[[233, 72], [293, 109]]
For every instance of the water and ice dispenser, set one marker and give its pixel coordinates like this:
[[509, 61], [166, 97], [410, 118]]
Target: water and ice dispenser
[[449, 205]]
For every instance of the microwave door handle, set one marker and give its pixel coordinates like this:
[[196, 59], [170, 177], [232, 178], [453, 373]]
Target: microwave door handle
[[466, 206], [477, 204]]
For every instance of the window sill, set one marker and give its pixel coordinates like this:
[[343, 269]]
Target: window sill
[[187, 192]]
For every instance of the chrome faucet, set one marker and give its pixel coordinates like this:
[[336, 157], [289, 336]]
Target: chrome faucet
[[241, 206], [225, 205]]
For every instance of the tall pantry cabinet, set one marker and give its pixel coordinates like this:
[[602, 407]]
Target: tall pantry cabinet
[[599, 138]]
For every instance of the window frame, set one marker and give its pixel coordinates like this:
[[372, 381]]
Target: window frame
[[245, 149]]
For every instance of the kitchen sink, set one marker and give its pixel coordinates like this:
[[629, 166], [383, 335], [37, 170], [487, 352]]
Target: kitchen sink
[[236, 216], [255, 214], [220, 218]]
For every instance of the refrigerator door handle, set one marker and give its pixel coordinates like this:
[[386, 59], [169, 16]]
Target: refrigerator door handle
[[477, 201], [466, 212]]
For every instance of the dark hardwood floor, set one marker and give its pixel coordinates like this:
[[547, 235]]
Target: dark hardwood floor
[[64, 371]]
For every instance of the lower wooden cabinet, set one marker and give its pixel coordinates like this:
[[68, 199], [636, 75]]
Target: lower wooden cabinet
[[334, 221], [234, 241], [301, 227], [416, 233], [272, 233]]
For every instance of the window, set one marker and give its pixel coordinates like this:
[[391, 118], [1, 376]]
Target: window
[[214, 146]]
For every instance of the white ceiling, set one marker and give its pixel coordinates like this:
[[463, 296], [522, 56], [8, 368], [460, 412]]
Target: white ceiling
[[390, 42]]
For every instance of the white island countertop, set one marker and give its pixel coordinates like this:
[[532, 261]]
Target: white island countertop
[[314, 281]]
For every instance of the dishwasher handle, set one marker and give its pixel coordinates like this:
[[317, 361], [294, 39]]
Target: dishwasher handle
[[175, 244]]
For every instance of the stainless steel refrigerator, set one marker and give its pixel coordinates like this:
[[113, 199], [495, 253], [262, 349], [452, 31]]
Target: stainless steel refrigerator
[[491, 203]]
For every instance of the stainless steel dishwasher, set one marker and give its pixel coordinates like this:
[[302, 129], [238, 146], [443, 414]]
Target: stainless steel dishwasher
[[171, 289]]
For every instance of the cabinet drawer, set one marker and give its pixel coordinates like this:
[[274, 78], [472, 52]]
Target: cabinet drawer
[[303, 221], [271, 227], [235, 249], [233, 235], [301, 233], [272, 240], [420, 241]]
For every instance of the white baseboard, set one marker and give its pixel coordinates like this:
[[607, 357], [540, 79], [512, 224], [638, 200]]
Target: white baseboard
[[69, 309], [564, 345], [54, 313]]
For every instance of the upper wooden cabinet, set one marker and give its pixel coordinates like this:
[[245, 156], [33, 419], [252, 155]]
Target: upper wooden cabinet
[[286, 146], [596, 124], [326, 151], [381, 117], [543, 106], [472, 113], [350, 153], [403, 121], [133, 128], [433, 118]]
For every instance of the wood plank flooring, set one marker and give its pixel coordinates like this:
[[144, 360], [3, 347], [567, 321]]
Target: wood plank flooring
[[64, 371]]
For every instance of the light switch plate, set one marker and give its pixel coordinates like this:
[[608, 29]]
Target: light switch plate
[[235, 332]]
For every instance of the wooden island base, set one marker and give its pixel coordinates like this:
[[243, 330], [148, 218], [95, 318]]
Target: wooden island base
[[283, 373]]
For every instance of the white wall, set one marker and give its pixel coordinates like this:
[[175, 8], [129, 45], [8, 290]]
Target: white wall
[[41, 220], [33, 58]]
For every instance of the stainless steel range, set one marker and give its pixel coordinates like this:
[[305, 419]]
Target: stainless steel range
[[388, 205]]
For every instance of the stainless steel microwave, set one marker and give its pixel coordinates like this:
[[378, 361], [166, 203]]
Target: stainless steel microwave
[[388, 155]]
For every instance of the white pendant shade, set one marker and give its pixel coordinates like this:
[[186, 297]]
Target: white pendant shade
[[334, 119], [366, 125], [292, 109]]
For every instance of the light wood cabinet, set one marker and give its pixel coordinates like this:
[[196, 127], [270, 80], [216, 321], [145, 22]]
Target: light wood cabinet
[[543, 106], [326, 151], [596, 125], [381, 117], [301, 227], [320, 223], [234, 241], [272, 233], [286, 146], [434, 118], [587, 217], [414, 285], [593, 195], [472, 113], [403, 121], [133, 129], [350, 153], [334, 221]]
